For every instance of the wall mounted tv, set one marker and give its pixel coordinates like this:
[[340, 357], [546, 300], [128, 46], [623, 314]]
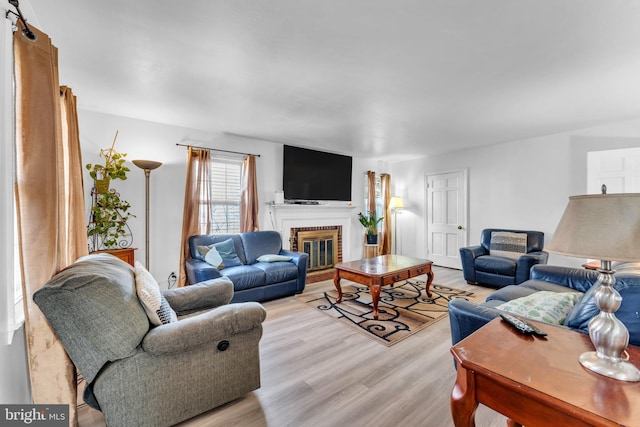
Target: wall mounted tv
[[315, 175]]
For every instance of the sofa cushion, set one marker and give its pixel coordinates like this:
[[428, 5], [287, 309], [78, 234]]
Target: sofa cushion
[[496, 265], [276, 272], [93, 308], [260, 243], [544, 306], [508, 244], [155, 304], [245, 276]]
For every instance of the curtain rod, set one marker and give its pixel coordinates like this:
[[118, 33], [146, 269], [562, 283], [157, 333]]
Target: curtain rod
[[217, 149], [26, 30]]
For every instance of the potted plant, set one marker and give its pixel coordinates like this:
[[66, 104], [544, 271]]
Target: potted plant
[[109, 213], [370, 223], [109, 216], [114, 167]]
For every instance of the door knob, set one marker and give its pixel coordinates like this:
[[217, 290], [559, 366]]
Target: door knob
[[459, 227]]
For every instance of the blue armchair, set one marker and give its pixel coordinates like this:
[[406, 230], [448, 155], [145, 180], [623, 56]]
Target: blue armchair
[[486, 266]]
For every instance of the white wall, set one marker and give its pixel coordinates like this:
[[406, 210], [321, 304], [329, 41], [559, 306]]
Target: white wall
[[522, 184], [155, 141]]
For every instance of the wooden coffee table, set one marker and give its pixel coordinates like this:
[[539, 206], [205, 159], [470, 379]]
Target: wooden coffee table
[[538, 382], [379, 271]]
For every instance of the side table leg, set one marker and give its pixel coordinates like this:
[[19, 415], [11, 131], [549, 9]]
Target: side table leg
[[336, 283], [430, 276], [463, 399]]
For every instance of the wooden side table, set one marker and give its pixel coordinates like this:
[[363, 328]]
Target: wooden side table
[[538, 381], [127, 254]]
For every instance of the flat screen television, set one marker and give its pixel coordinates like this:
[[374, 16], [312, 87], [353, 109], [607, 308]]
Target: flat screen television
[[311, 175]]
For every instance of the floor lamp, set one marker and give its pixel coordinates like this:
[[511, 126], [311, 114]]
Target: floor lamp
[[395, 204], [147, 166]]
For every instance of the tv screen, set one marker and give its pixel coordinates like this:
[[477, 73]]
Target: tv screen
[[316, 175]]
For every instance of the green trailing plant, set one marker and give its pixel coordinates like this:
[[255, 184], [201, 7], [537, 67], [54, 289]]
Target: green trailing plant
[[109, 213], [114, 166], [109, 220], [370, 222]]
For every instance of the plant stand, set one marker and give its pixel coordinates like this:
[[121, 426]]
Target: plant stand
[[97, 242]]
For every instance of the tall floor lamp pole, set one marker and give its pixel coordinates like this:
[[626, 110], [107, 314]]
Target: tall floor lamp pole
[[396, 204], [147, 166]]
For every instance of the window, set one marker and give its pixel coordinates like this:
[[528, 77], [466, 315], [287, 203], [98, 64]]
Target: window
[[225, 187]]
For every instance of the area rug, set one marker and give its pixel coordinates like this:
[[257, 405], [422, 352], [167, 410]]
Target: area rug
[[403, 309]]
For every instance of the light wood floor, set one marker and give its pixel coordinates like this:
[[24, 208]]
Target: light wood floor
[[316, 372]]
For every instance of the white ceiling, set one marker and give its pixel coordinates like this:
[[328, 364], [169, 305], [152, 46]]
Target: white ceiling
[[371, 78]]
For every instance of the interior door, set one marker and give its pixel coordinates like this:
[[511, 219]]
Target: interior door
[[446, 217]]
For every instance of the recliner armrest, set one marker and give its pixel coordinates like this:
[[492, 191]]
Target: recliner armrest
[[221, 323], [201, 296], [200, 271], [526, 261]]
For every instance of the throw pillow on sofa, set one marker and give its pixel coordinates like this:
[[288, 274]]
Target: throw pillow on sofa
[[544, 306], [273, 258], [226, 251], [508, 244], [214, 258], [155, 304]]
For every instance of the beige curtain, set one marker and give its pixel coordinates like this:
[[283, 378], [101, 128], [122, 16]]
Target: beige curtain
[[72, 218], [371, 178], [49, 204], [249, 196], [385, 186], [196, 215]]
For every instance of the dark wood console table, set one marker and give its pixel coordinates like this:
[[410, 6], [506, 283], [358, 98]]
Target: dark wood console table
[[538, 382], [379, 271]]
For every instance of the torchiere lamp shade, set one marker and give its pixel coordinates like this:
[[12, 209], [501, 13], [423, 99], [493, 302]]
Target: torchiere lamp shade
[[600, 226], [147, 164]]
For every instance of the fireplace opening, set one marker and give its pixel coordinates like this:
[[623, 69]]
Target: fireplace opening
[[323, 244]]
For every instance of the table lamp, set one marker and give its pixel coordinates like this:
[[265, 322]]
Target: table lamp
[[604, 227], [147, 166], [395, 204]]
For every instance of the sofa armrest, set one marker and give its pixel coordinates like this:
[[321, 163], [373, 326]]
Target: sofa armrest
[[201, 296], [218, 324], [300, 259], [526, 261], [200, 271], [579, 279], [467, 257], [466, 318]]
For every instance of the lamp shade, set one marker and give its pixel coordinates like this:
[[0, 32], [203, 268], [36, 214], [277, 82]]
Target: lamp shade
[[147, 164], [599, 226], [396, 203]]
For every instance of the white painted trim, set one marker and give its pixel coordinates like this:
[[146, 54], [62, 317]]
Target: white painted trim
[[11, 309]]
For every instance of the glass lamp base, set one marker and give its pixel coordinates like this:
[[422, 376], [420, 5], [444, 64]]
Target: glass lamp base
[[621, 370]]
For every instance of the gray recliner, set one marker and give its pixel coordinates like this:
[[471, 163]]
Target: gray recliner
[[142, 375]]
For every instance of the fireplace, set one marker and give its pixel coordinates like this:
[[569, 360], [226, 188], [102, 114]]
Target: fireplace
[[323, 244]]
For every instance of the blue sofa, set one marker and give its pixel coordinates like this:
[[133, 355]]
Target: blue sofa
[[467, 317], [253, 280], [480, 267]]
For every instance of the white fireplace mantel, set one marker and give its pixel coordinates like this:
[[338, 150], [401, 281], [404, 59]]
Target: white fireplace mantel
[[284, 217]]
